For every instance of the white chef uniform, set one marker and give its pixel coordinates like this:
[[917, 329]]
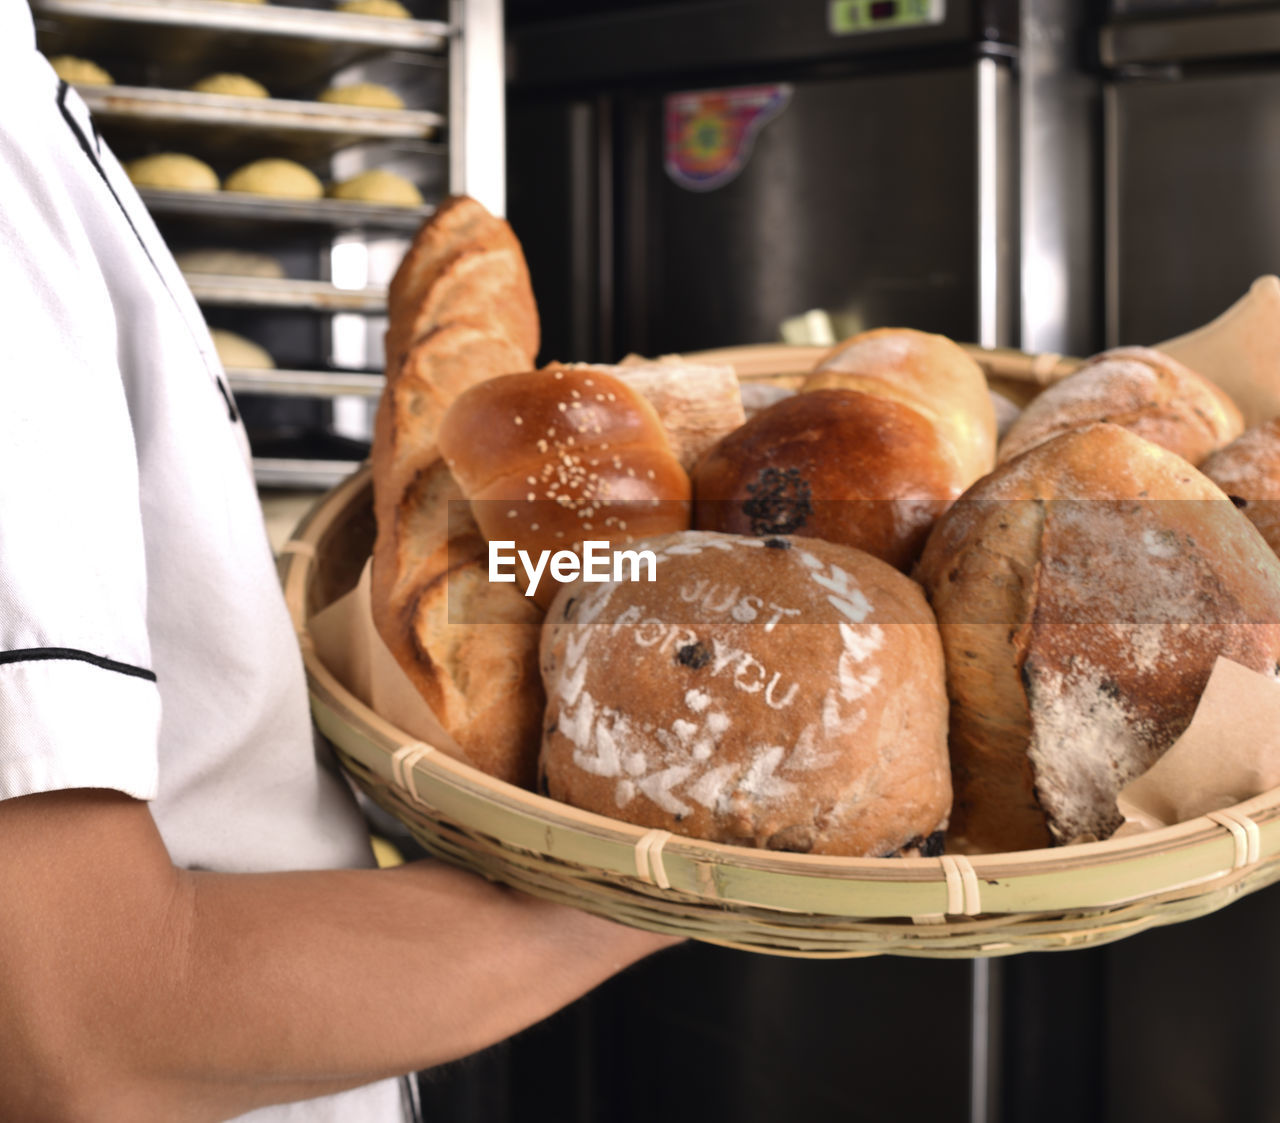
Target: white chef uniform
[[144, 643]]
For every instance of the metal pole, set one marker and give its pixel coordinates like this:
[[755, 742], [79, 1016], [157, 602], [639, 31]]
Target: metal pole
[[477, 103]]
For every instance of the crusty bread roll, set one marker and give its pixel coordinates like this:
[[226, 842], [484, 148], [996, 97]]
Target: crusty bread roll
[[698, 403], [1248, 470], [1083, 591], [230, 263], [480, 693], [377, 185], [172, 171], [369, 95], [80, 71], [1139, 389], [840, 465], [237, 352], [230, 85], [550, 458], [929, 373], [387, 9], [781, 693], [284, 179]]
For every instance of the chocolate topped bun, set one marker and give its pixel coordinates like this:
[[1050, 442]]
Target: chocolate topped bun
[[840, 465], [784, 693]]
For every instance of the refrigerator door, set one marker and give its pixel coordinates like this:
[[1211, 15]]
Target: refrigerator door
[[1193, 171], [862, 196]]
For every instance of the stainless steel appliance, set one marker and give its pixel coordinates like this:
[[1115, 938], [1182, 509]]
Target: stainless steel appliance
[[932, 164], [1192, 160]]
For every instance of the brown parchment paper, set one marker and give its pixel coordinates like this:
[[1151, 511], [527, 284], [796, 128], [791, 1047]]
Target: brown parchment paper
[[1229, 753]]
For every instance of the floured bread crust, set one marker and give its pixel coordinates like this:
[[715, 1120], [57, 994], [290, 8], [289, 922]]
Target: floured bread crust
[[1248, 470], [1083, 591], [929, 373], [1139, 389], [782, 693], [698, 403]]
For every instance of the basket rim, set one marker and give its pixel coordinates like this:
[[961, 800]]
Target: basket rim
[[1203, 850]]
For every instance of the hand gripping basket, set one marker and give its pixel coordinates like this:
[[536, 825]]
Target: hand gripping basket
[[779, 903]]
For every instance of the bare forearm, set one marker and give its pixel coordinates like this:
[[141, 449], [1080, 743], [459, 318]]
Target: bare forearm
[[348, 975], [130, 990]]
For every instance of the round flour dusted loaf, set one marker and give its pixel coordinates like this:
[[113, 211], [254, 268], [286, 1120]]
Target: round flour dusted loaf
[[1084, 591], [1248, 470], [783, 693], [1138, 389]]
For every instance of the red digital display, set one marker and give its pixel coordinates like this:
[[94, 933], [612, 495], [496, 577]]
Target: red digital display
[[884, 9]]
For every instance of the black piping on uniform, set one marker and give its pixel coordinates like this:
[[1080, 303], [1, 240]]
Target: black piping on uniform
[[36, 654], [83, 141], [89, 151]]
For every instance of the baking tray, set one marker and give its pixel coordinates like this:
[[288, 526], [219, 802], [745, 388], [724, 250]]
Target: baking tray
[[305, 383], [220, 126], [318, 475], [222, 290], [233, 207], [186, 39]]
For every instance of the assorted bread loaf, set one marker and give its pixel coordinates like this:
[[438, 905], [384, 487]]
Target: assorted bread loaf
[[866, 611], [550, 459], [1083, 591], [1139, 389], [780, 692], [1248, 470], [889, 430]]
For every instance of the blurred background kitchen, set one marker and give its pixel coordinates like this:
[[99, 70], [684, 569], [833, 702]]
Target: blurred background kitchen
[[1046, 174]]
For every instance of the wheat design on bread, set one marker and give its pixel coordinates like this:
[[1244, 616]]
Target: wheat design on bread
[[461, 310]]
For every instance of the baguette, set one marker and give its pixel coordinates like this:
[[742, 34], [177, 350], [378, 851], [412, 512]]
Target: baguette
[[460, 311]]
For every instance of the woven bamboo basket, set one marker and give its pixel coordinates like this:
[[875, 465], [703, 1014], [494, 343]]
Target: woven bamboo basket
[[779, 903]]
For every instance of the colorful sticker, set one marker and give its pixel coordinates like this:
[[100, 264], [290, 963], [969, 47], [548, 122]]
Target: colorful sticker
[[710, 133]]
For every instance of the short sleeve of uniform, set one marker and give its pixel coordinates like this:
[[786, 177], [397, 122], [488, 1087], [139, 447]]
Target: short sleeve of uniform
[[79, 706]]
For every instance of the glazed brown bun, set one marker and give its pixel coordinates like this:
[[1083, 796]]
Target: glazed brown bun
[[840, 465], [1248, 470], [783, 693], [1139, 389], [553, 457], [1083, 591], [930, 374]]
